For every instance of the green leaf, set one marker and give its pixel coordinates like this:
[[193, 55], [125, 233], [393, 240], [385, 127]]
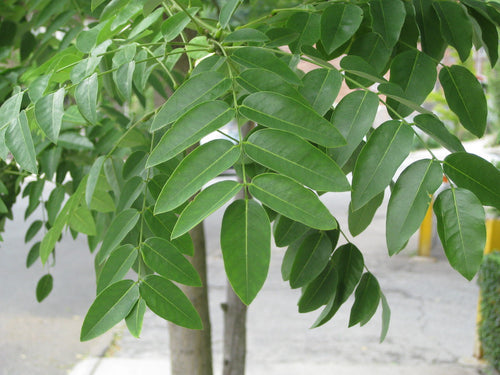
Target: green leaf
[[53, 204], [227, 11], [174, 25], [321, 87], [18, 140], [311, 259], [49, 112], [246, 247], [284, 113], [8, 31], [256, 80], [359, 220], [164, 258], [359, 73], [460, 223], [438, 131], [199, 88], [116, 267], [33, 255], [135, 165], [410, 199], [146, 23], [465, 97], [121, 225], [489, 34], [353, 117], [195, 124], [386, 149], [339, 22], [33, 229], [86, 98], [287, 231], [456, 28], [204, 204], [130, 192], [415, 73], [94, 173], [349, 263], [82, 221], [166, 300], [111, 306], [162, 226], [246, 35], [320, 291], [386, 317], [366, 300], [473, 173], [433, 43], [296, 158], [9, 111], [87, 39], [395, 92], [255, 57], [308, 24], [102, 202], [74, 141], [291, 199], [96, 3], [28, 44], [388, 17], [44, 287], [123, 79], [135, 318], [373, 49], [194, 171], [289, 257]]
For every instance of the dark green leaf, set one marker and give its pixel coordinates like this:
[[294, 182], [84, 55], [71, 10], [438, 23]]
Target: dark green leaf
[[430, 32], [292, 200], [320, 291], [415, 73], [410, 199], [135, 165], [372, 48], [254, 57], [311, 259], [386, 149], [199, 167], [94, 173], [489, 34], [339, 22], [33, 255], [116, 267], [9, 111], [174, 25], [460, 223], [256, 80], [289, 257], [473, 173], [49, 112], [359, 73], [465, 97], [198, 88], [246, 247], [321, 87], [53, 204], [33, 229], [162, 226], [44, 287], [18, 140], [204, 204], [164, 258], [367, 298], [359, 220], [284, 113], [438, 131], [227, 11], [287, 231], [135, 318], [456, 27], [86, 98], [296, 158], [353, 117], [388, 17], [111, 306], [123, 79], [130, 192], [146, 23], [121, 225], [192, 126], [166, 300], [308, 24], [7, 32], [246, 35], [28, 44]]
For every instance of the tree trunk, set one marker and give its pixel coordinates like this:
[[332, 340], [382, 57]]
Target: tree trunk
[[191, 350]]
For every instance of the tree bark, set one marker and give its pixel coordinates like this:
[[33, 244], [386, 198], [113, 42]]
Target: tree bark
[[191, 350]]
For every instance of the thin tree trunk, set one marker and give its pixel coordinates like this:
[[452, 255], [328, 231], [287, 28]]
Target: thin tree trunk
[[191, 350]]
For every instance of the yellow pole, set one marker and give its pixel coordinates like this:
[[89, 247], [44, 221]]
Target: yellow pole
[[492, 243], [425, 234]]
